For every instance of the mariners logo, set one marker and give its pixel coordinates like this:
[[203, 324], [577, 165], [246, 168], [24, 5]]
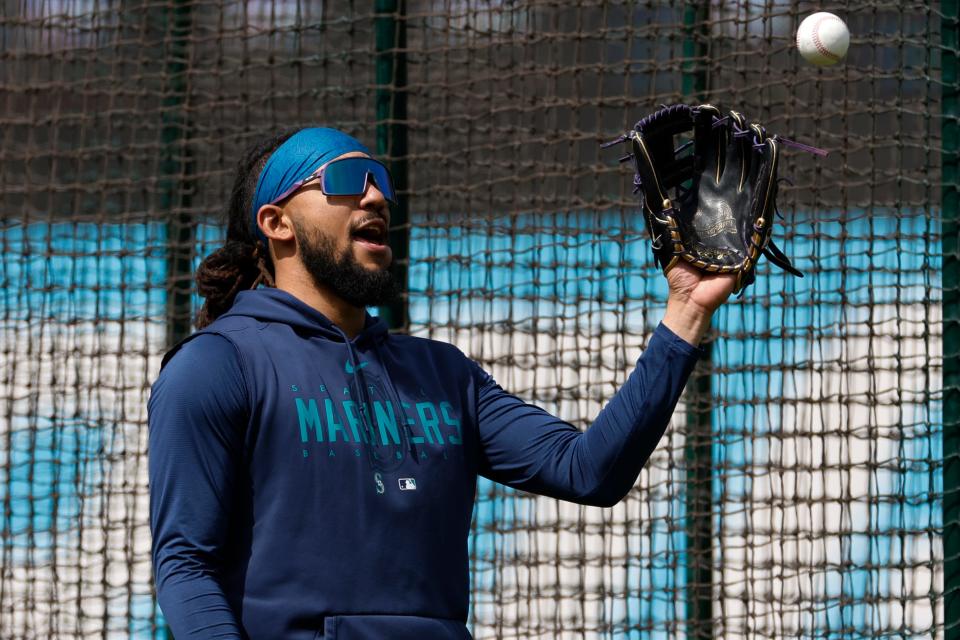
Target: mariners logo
[[378, 478]]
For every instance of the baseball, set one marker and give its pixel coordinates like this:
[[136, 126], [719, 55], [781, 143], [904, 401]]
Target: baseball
[[823, 39]]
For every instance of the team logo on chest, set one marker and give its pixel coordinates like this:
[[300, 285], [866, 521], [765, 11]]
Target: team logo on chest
[[351, 422]]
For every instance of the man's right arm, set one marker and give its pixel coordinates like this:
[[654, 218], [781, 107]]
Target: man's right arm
[[198, 411]]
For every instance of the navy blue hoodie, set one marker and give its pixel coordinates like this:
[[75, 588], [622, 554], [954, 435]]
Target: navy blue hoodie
[[304, 486]]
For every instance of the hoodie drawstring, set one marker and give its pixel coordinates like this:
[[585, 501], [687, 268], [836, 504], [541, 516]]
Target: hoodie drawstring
[[401, 416], [366, 409]]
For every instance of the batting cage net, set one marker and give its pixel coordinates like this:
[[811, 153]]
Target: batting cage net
[[807, 486]]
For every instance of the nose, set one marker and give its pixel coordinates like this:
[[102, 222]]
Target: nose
[[373, 198]]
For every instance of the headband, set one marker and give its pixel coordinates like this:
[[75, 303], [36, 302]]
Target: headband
[[299, 156]]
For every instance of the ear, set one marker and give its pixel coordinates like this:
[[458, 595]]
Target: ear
[[274, 223]]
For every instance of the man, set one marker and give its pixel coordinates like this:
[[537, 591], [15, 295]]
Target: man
[[313, 476]]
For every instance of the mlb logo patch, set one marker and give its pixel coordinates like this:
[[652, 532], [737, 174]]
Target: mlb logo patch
[[407, 484]]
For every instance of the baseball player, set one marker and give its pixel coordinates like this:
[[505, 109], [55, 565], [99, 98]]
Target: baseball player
[[313, 475]]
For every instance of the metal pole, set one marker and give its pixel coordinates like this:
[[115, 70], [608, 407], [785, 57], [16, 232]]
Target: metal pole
[[391, 101], [176, 168], [950, 24], [699, 441]]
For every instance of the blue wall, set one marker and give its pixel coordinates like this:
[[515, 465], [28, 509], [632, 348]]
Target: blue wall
[[582, 267]]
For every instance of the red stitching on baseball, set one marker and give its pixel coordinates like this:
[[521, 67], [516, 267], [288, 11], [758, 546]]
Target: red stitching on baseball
[[826, 53]]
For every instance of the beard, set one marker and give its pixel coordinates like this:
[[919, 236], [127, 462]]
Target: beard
[[343, 275]]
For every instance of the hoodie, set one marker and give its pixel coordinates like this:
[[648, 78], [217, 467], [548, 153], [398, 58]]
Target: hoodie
[[304, 485]]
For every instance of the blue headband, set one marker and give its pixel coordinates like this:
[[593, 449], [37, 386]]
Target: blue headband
[[302, 154]]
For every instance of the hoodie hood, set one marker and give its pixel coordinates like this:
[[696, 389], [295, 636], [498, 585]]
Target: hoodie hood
[[275, 305]]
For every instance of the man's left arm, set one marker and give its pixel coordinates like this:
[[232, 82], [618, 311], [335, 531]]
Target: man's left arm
[[525, 447]]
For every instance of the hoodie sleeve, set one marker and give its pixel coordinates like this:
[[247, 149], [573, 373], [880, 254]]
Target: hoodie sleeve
[[197, 414], [525, 447]]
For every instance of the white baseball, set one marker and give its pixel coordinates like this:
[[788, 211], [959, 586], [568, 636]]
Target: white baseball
[[823, 39]]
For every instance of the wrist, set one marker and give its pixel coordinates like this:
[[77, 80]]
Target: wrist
[[687, 319]]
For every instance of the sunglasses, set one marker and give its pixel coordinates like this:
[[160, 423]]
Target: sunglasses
[[348, 177]]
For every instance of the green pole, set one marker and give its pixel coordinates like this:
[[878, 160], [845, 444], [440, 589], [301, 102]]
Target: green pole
[[175, 189], [698, 449], [950, 23], [175, 169], [391, 101], [699, 528]]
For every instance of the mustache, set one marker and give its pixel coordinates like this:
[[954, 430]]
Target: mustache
[[370, 217]]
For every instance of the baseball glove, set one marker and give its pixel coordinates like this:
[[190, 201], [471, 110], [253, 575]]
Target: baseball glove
[[712, 200]]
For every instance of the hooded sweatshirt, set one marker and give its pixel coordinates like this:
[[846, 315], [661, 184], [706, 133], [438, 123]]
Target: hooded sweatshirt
[[304, 485]]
